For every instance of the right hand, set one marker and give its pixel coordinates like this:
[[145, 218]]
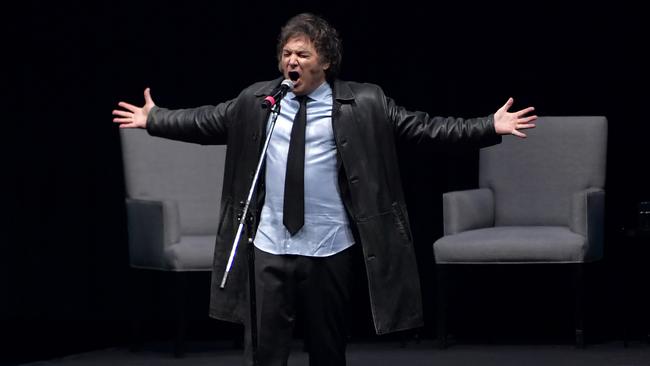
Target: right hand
[[132, 116]]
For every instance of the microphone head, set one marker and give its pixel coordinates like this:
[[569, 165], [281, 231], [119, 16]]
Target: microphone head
[[277, 94], [288, 83]]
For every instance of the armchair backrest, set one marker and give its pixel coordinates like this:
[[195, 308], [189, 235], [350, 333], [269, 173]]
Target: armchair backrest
[[190, 174], [534, 179]]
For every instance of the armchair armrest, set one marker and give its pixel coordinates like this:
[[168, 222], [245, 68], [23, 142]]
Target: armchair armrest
[[467, 210], [588, 219], [153, 225]]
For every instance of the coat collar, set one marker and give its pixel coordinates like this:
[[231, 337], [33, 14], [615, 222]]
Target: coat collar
[[267, 87], [342, 91]]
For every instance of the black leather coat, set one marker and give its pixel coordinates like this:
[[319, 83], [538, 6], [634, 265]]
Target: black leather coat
[[366, 126]]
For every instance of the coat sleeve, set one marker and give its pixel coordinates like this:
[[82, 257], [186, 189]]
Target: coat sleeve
[[206, 125], [421, 129]]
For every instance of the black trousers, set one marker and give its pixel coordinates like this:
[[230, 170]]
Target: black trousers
[[320, 287]]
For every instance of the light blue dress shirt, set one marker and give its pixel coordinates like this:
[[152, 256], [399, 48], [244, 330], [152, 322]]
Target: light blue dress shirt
[[327, 229]]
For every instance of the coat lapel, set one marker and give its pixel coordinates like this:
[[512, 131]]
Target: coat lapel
[[340, 120]]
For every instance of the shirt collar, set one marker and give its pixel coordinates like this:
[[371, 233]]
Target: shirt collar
[[322, 93]]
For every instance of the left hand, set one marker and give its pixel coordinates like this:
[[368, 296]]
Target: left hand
[[506, 123]]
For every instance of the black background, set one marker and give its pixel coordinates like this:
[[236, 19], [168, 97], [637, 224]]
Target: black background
[[64, 252]]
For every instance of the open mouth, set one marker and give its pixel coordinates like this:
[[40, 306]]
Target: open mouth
[[294, 75]]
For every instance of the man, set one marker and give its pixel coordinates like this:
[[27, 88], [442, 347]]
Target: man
[[351, 193]]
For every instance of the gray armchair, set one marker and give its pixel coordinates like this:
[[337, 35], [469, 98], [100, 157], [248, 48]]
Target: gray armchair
[[539, 200], [173, 190]]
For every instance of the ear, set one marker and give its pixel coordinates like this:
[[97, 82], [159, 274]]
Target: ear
[[326, 66]]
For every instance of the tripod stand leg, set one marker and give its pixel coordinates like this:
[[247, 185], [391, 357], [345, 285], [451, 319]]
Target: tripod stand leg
[[253, 301]]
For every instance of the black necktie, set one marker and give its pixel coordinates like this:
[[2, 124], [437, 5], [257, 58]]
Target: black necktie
[[294, 183]]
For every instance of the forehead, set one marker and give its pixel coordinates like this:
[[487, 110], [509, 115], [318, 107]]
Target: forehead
[[299, 43]]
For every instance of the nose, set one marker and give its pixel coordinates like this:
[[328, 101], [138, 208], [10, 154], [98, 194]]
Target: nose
[[293, 60]]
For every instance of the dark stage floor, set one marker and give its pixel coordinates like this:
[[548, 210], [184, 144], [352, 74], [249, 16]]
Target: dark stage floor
[[381, 353]]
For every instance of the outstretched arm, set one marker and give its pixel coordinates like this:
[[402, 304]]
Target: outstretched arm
[[509, 123], [132, 116]]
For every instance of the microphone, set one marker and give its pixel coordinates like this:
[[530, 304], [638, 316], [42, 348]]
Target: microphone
[[277, 94]]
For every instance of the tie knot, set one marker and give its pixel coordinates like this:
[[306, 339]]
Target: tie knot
[[302, 99]]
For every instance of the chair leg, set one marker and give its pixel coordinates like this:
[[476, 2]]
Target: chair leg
[[579, 288], [441, 305], [180, 294]]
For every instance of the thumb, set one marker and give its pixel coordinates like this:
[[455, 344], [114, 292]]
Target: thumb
[[508, 104], [147, 97]]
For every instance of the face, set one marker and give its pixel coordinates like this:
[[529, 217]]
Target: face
[[299, 57]]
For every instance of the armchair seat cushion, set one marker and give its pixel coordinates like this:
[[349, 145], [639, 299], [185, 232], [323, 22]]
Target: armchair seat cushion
[[512, 244], [191, 253]]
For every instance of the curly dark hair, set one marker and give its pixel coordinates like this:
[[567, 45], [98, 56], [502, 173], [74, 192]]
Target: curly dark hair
[[325, 38]]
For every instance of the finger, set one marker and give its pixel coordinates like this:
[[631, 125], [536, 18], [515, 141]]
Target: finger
[[122, 113], [524, 111], [524, 126], [527, 119], [128, 106], [508, 104], [519, 134], [147, 96], [123, 120]]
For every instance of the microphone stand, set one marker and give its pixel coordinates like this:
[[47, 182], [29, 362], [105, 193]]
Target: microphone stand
[[251, 256]]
